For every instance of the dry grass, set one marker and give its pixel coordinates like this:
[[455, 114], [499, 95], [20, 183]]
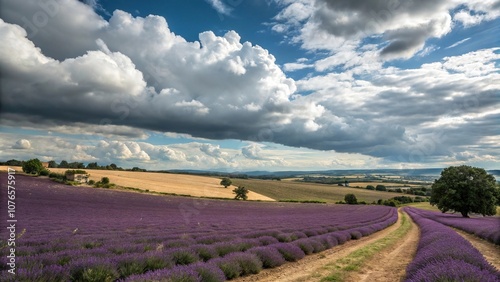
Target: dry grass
[[181, 184], [289, 190]]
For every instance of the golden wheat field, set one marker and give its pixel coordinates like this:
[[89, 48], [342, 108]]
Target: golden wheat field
[[181, 184]]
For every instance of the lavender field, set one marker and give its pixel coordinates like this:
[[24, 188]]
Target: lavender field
[[85, 234], [443, 255], [487, 228]]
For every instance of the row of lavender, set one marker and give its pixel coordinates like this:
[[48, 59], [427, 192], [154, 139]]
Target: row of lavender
[[487, 228], [84, 234], [443, 255]]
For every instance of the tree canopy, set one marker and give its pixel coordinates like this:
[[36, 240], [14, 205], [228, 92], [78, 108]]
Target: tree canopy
[[465, 189], [241, 193], [33, 166], [225, 182]]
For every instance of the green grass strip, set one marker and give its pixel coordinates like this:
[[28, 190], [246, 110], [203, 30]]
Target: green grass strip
[[355, 260]]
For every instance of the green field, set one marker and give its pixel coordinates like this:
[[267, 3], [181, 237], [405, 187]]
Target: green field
[[290, 190]]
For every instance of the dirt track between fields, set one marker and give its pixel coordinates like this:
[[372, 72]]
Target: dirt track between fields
[[390, 264], [311, 267]]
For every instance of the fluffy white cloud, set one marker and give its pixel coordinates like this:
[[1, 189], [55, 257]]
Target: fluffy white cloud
[[22, 144], [216, 88], [477, 11]]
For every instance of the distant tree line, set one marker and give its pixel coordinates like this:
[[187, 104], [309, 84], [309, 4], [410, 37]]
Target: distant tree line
[[74, 165]]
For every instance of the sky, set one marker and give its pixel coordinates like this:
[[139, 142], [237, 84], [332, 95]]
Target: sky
[[240, 85]]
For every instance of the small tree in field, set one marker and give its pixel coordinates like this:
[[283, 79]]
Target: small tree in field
[[370, 187], [241, 193], [465, 189], [225, 182], [381, 188], [33, 166], [350, 199]]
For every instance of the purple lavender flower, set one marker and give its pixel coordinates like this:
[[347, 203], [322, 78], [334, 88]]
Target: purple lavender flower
[[269, 256]]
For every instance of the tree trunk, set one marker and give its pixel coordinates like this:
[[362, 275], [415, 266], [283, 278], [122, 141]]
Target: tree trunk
[[465, 213]]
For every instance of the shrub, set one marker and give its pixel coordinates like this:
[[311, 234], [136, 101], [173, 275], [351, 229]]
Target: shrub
[[44, 172], [311, 233], [356, 235], [267, 240], [249, 263], [297, 235], [283, 237], [91, 182], [209, 272], [269, 256], [370, 187], [342, 236], [51, 273], [231, 268], [317, 245], [225, 248], [205, 252], [131, 264], [182, 256], [350, 199], [156, 261], [381, 188], [328, 240], [33, 166], [105, 180], [180, 273], [290, 252], [94, 269], [305, 245]]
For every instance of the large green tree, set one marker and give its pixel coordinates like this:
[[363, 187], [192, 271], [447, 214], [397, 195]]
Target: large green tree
[[466, 190], [33, 166]]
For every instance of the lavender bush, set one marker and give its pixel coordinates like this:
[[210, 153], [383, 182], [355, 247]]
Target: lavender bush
[[289, 252], [269, 256]]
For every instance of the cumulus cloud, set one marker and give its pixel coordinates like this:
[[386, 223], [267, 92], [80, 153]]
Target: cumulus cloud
[[475, 12], [22, 144], [405, 26], [167, 85], [252, 151]]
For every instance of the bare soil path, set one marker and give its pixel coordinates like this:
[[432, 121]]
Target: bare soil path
[[390, 264], [311, 268], [490, 251]]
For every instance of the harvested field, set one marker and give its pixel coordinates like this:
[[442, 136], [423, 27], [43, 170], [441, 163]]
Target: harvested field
[[290, 190], [180, 184]]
